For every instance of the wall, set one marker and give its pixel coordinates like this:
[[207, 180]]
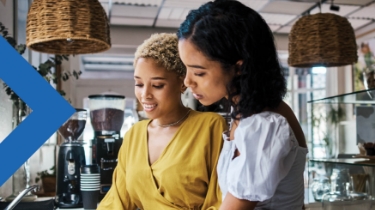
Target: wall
[[6, 14], [365, 33]]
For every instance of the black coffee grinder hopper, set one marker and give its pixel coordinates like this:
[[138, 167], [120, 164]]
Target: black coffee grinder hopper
[[71, 157], [107, 118]]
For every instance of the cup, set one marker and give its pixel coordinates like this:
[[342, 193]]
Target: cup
[[90, 185]]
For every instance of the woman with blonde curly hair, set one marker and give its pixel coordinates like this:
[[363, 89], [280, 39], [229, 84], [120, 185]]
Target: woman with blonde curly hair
[[168, 161]]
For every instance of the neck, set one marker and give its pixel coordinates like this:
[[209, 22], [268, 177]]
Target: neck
[[173, 118]]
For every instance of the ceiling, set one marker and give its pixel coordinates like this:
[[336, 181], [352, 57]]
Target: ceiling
[[279, 14]]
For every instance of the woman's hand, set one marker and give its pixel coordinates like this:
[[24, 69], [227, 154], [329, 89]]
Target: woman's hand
[[232, 203]]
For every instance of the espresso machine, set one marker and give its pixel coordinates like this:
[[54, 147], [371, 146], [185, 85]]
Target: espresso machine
[[107, 118], [71, 157]]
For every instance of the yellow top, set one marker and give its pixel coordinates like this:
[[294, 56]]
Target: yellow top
[[183, 177]]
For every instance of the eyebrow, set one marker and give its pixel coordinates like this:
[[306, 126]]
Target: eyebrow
[[196, 66], [153, 78]]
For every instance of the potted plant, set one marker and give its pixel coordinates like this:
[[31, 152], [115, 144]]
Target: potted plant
[[48, 178]]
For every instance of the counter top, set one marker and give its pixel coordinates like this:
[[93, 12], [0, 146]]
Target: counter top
[[47, 198]]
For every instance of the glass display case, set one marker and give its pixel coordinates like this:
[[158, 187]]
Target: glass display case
[[358, 97], [345, 181]]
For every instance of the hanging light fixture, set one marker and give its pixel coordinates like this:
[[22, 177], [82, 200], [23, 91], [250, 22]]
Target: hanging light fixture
[[67, 27], [322, 39]]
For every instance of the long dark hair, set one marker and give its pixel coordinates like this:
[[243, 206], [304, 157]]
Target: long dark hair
[[227, 31]]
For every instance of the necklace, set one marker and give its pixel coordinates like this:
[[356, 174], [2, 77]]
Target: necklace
[[175, 123]]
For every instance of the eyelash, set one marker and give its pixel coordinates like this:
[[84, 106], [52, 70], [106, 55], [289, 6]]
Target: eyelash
[[200, 75], [158, 86], [155, 86]]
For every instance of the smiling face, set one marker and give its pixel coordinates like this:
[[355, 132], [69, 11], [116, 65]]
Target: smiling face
[[158, 90], [205, 78]]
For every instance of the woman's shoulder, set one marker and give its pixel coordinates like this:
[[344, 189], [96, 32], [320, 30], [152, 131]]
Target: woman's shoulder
[[263, 124], [206, 116], [139, 126], [263, 118]]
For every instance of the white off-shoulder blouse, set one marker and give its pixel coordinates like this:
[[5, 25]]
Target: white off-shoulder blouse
[[270, 166]]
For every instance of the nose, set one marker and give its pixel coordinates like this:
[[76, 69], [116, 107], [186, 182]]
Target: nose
[[188, 81], [146, 92]]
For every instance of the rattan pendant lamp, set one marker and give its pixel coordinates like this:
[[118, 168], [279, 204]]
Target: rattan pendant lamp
[[322, 39], [67, 27]]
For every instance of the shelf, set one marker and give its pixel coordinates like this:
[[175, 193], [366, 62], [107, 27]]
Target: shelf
[[347, 161], [358, 97]]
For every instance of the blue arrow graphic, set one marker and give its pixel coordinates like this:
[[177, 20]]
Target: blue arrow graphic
[[50, 110]]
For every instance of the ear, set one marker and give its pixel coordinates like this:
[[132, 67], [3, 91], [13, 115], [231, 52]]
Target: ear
[[238, 67]]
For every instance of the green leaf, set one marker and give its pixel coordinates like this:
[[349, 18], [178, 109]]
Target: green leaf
[[65, 77], [46, 65], [62, 92], [21, 48], [66, 57], [11, 41]]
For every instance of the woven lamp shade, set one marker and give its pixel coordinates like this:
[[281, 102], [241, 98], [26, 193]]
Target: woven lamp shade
[[322, 39], [67, 27]]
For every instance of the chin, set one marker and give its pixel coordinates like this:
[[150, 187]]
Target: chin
[[206, 103], [149, 116]]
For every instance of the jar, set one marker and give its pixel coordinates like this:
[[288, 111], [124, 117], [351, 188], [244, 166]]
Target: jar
[[342, 196], [320, 186], [339, 196]]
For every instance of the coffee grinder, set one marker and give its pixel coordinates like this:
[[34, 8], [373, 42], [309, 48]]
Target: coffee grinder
[[71, 157], [107, 118]]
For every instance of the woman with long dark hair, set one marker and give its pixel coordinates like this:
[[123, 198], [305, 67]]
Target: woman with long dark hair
[[229, 51]]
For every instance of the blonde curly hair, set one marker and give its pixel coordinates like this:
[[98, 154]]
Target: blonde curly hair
[[163, 47]]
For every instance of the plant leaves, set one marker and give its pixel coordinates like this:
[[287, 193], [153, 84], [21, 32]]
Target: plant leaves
[[66, 57], [65, 77], [21, 48], [62, 92], [11, 41]]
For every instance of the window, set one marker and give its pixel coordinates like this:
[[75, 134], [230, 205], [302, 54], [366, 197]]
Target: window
[[305, 85]]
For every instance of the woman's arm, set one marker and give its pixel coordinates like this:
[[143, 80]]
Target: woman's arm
[[232, 203], [266, 155]]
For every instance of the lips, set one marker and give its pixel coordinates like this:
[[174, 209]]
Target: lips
[[149, 107], [197, 96]]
